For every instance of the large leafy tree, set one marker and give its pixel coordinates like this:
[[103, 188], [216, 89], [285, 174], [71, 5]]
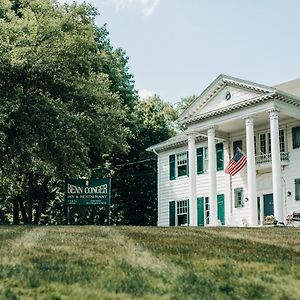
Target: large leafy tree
[[64, 96], [135, 178]]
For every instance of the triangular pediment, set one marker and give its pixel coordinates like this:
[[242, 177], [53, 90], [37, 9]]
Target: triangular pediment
[[223, 92]]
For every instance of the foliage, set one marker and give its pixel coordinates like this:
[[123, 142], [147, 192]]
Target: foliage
[[149, 263], [184, 103], [135, 175], [64, 96]]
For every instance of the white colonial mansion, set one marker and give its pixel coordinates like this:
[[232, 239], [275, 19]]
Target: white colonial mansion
[[262, 121]]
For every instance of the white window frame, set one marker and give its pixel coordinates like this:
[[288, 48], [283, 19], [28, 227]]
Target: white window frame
[[206, 210], [238, 191], [181, 210], [267, 134], [205, 159], [181, 160]]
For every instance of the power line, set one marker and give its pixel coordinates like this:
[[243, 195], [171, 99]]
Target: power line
[[128, 164], [135, 162]]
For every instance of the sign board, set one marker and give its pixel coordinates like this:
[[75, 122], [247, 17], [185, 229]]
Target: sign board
[[87, 191]]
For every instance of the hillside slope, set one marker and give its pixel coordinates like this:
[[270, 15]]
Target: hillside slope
[[149, 263]]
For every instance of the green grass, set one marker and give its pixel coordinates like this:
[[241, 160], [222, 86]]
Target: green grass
[[149, 263]]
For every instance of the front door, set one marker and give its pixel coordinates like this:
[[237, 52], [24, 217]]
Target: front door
[[268, 205]]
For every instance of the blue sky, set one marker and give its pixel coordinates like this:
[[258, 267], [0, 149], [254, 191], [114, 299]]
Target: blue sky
[[176, 48]]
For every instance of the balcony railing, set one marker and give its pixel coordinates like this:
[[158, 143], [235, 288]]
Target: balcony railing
[[267, 158]]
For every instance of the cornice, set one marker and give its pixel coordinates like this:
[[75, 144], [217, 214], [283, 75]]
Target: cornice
[[229, 108]]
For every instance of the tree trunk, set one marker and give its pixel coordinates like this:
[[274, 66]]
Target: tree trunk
[[29, 210], [16, 217], [23, 211], [39, 208]]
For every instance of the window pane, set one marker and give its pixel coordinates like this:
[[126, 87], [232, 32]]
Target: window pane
[[296, 137], [237, 144], [206, 210], [281, 140], [182, 164], [297, 189], [238, 197], [262, 143], [206, 159]]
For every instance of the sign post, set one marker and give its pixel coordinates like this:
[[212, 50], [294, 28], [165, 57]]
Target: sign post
[[88, 192]]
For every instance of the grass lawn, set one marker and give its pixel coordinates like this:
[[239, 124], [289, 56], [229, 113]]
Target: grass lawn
[[90, 262]]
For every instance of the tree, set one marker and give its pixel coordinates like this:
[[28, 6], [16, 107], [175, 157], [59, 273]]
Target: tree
[[184, 103], [135, 179], [64, 96]]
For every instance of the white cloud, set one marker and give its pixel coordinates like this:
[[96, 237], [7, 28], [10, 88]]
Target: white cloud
[[144, 94], [147, 6], [149, 10]]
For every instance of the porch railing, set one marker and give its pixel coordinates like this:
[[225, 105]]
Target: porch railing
[[267, 157]]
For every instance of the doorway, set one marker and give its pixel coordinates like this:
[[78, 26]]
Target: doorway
[[268, 205]]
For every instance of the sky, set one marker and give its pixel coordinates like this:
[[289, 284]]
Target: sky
[[176, 48]]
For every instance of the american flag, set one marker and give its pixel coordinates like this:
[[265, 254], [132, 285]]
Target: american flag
[[236, 163]]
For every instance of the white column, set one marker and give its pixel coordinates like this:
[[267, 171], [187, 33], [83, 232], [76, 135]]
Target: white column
[[276, 166], [212, 174], [192, 179], [251, 172]]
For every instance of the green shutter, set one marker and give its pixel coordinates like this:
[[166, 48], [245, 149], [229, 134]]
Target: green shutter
[[220, 157], [172, 213], [172, 167], [221, 214], [200, 161], [200, 211]]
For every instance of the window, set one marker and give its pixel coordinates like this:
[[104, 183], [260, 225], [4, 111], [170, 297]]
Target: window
[[182, 212], [269, 142], [255, 147], [236, 145], [182, 164], [178, 165], [281, 140], [238, 197], [262, 143], [206, 213], [297, 189], [206, 159], [296, 137], [265, 142]]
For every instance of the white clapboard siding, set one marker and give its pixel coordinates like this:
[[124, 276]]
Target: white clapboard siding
[[170, 190], [290, 173]]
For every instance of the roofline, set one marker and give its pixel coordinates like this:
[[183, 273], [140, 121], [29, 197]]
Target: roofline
[[223, 79], [276, 95]]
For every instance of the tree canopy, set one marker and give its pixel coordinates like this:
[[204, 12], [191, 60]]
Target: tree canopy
[[68, 109], [64, 96]]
